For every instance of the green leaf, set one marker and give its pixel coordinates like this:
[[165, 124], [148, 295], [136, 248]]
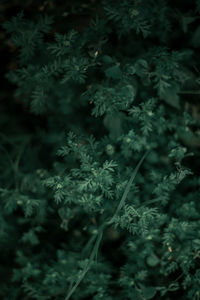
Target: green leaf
[[141, 68], [107, 59], [113, 72], [153, 260], [170, 95], [148, 292]]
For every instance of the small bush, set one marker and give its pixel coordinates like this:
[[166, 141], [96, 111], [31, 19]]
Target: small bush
[[99, 143]]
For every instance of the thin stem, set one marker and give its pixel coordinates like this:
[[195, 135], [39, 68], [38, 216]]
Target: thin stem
[[127, 189], [88, 265], [190, 92], [101, 230]]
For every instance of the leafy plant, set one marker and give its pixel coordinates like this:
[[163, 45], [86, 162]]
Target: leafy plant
[[99, 181]]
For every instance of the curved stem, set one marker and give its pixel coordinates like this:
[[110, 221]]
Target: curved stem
[[102, 228]]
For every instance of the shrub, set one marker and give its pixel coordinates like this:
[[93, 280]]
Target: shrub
[[100, 137]]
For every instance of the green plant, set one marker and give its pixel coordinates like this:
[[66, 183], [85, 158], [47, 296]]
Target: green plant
[[99, 182]]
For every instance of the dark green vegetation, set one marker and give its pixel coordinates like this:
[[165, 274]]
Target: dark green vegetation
[[99, 150]]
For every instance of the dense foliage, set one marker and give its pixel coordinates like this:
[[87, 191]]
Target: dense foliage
[[99, 145]]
